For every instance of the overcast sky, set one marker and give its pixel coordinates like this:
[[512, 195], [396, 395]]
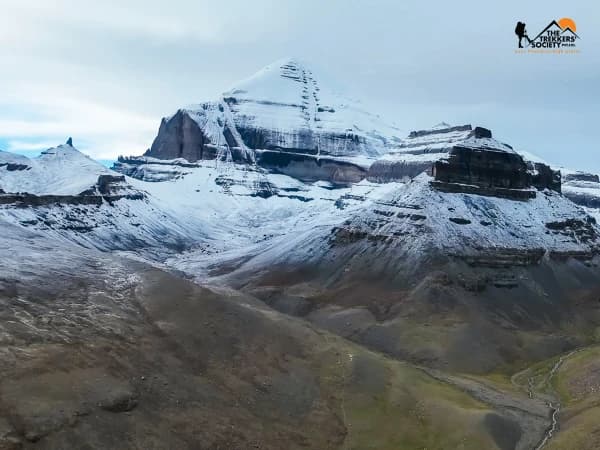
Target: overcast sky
[[105, 72]]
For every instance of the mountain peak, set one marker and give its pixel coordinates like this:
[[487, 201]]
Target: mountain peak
[[284, 81], [284, 118], [275, 69]]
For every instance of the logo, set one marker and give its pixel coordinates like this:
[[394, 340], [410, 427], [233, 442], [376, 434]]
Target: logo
[[559, 36]]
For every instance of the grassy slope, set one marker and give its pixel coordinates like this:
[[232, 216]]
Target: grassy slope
[[578, 385], [182, 366], [389, 405]]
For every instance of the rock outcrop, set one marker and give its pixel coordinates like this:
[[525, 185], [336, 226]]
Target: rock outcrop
[[582, 188], [152, 169], [13, 167], [310, 168], [182, 136], [465, 159], [542, 176], [112, 188], [477, 170], [109, 188], [572, 177], [418, 153], [12, 162], [25, 200]]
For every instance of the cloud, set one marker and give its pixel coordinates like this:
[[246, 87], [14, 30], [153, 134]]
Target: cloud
[[29, 146], [103, 130]]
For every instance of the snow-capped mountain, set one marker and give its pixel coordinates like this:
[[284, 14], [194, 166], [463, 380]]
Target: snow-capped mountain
[[283, 118], [64, 194], [159, 295], [451, 201], [288, 107], [467, 262], [59, 171]]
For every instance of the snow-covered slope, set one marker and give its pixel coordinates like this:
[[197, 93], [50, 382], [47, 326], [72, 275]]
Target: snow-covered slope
[[241, 209], [397, 228], [62, 170], [285, 119], [69, 196], [12, 160], [418, 216], [227, 210], [216, 206], [295, 110]]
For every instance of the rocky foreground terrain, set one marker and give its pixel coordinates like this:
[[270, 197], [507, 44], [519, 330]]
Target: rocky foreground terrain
[[282, 269]]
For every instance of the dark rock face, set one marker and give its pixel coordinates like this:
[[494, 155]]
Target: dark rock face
[[308, 168], [112, 188], [418, 153], [543, 177], [458, 188], [70, 141], [581, 176], [254, 138], [110, 184], [230, 138], [28, 200], [504, 258], [582, 230], [489, 170], [181, 137], [480, 132], [14, 167], [306, 142], [493, 173], [583, 199], [582, 188], [421, 133], [465, 159], [460, 220], [423, 148], [108, 188], [506, 432], [385, 171], [156, 171]]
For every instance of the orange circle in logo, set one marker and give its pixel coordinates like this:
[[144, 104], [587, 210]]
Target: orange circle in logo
[[565, 23]]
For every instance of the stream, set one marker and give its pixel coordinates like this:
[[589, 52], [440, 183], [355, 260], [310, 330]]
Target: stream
[[554, 408]]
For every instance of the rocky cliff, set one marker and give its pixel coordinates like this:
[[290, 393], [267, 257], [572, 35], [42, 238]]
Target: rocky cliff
[[418, 153], [584, 189], [465, 159], [201, 134]]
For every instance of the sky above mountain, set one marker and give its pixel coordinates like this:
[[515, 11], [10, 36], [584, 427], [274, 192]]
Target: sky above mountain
[[106, 72]]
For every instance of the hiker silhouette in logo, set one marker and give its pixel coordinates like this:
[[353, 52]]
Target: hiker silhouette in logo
[[521, 32]]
